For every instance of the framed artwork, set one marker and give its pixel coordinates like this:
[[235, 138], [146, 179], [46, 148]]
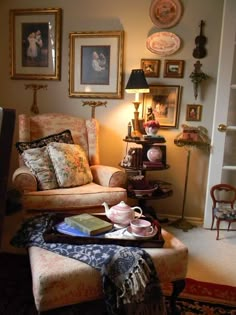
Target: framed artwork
[[164, 101], [35, 44], [96, 61], [193, 112], [151, 67], [174, 68]]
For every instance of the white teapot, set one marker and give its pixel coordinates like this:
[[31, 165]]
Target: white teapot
[[121, 214]]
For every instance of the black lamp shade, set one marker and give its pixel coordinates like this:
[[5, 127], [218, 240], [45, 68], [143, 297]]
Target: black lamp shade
[[137, 82]]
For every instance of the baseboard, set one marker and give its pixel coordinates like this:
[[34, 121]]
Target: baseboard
[[193, 220]]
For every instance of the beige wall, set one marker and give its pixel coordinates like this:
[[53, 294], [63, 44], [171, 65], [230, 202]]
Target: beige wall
[[132, 16]]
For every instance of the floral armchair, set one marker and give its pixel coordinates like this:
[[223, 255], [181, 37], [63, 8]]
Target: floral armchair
[[60, 168]]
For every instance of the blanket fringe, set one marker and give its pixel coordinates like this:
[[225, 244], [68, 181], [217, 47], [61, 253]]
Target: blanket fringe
[[133, 288]]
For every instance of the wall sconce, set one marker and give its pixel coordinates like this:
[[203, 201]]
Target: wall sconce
[[197, 76], [137, 84]]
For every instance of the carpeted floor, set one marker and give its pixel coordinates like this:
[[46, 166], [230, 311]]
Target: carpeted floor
[[16, 294]]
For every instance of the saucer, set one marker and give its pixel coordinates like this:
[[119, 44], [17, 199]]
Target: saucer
[[154, 232]]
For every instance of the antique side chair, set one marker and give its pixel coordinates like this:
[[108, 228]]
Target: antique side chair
[[223, 199]]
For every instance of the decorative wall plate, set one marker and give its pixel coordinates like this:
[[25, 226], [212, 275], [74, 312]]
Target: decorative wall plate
[[165, 13], [163, 43]]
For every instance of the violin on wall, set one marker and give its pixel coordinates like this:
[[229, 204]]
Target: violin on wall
[[200, 41]]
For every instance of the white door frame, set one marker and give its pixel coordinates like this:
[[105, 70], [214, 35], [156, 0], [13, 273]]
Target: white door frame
[[226, 58]]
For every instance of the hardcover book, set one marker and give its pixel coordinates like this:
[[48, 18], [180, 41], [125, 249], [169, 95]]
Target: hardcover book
[[67, 229], [88, 224]]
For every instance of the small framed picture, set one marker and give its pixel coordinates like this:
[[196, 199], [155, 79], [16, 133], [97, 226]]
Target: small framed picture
[[193, 112], [174, 69], [151, 67]]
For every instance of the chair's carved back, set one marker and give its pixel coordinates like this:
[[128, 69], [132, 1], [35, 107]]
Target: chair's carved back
[[223, 194], [84, 132]]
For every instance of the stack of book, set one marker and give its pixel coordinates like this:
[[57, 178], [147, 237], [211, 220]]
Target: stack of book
[[156, 164], [84, 225], [137, 158]]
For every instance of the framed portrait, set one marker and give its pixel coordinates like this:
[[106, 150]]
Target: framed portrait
[[151, 67], [164, 102], [174, 68], [96, 61], [35, 44], [193, 112]]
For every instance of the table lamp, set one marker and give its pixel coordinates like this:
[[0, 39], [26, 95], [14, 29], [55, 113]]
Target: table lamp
[[137, 84]]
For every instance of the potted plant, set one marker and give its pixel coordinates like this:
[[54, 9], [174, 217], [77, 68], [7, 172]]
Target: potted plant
[[151, 127]]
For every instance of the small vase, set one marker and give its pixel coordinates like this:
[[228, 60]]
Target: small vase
[[154, 154], [150, 131]]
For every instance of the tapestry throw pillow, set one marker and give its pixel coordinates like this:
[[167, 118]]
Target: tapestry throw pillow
[[70, 164], [40, 164], [64, 137]]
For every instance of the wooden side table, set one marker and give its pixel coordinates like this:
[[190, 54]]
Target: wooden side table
[[143, 165]]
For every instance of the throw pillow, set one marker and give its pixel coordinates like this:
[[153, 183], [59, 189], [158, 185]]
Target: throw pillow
[[64, 136], [70, 164], [41, 166]]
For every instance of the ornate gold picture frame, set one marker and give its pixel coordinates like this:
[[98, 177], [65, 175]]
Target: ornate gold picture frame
[[96, 61], [35, 44]]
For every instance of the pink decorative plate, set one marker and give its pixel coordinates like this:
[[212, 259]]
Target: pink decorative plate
[[163, 43], [165, 13]]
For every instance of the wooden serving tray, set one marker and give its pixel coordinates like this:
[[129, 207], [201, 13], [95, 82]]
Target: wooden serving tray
[[51, 235]]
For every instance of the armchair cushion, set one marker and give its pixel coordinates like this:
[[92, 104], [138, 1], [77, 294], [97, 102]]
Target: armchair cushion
[[64, 136], [70, 164], [39, 162]]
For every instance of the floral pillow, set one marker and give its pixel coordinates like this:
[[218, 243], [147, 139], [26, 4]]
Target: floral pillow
[[41, 166], [64, 136], [70, 164]]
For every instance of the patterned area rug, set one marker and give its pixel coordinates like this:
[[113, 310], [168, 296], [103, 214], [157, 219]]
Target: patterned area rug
[[16, 294], [205, 298]]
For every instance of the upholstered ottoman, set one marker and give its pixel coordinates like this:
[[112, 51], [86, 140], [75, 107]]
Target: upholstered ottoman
[[59, 281]]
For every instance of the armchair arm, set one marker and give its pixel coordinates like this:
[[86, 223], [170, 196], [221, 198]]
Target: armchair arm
[[108, 176], [24, 180]]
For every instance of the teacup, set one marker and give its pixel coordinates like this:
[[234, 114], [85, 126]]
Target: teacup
[[141, 227]]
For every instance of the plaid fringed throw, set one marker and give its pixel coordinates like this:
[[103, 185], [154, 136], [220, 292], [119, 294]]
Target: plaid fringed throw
[[130, 283]]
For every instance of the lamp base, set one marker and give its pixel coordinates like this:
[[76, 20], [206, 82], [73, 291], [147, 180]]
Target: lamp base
[[182, 224], [140, 126], [136, 134]]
